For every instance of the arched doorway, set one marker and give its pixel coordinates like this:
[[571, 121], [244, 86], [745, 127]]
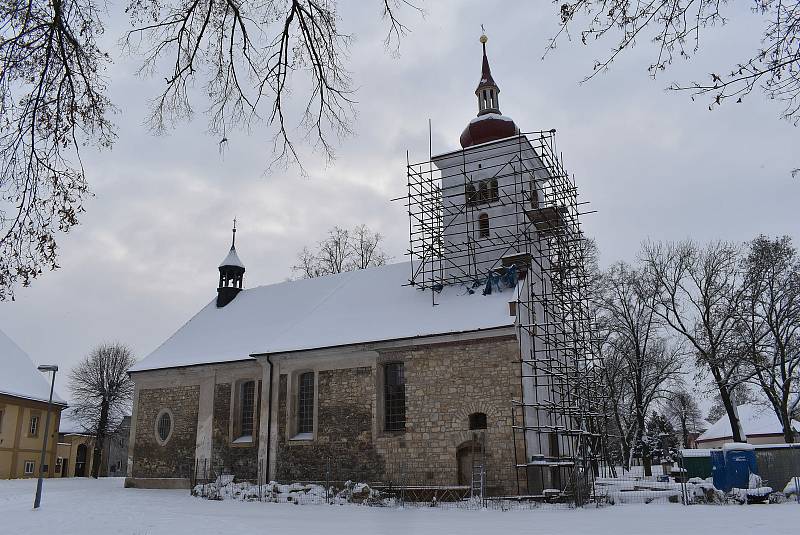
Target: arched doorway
[[80, 461], [466, 455]]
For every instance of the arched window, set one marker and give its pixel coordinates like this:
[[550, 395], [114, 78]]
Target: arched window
[[494, 191], [477, 420], [471, 194], [483, 225], [164, 426], [247, 408]]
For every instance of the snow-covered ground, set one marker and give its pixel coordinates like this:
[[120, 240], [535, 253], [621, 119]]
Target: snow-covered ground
[[104, 507]]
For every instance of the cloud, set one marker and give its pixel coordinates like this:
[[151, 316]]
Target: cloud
[[652, 163]]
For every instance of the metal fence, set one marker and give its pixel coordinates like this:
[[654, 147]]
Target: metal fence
[[764, 473], [772, 475]]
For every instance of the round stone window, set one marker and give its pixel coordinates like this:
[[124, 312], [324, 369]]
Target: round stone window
[[164, 426]]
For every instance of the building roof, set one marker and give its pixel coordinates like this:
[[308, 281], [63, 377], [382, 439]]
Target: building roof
[[368, 305], [19, 376], [486, 71], [232, 259], [70, 425], [756, 420]]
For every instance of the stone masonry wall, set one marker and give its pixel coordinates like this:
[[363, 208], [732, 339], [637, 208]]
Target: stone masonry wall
[[176, 457], [446, 383], [343, 448], [241, 460]]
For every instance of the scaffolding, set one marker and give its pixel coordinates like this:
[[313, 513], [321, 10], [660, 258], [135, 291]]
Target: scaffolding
[[506, 213]]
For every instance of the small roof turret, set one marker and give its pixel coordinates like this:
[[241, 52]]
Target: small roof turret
[[232, 259], [231, 274]]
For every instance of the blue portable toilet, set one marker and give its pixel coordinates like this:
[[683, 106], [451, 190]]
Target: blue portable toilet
[[740, 462], [718, 472]]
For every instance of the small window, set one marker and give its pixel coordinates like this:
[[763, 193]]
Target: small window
[[477, 420], [34, 427], [29, 467], [2, 412], [534, 198], [483, 225], [247, 408], [494, 191], [164, 426], [59, 464], [394, 397], [305, 403]]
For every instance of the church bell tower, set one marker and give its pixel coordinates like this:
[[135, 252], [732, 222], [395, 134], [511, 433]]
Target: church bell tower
[[231, 275]]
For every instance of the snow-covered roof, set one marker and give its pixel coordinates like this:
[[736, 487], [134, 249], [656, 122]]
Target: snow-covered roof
[[367, 305], [19, 376], [490, 116], [232, 259], [69, 424], [756, 420]]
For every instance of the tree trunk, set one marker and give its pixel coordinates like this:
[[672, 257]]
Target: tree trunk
[[685, 432], [733, 417], [788, 435], [100, 440], [647, 461]]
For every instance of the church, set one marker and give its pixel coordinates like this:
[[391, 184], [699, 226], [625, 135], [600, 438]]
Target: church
[[468, 366]]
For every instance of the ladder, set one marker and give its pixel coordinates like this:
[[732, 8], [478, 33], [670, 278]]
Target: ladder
[[478, 482]]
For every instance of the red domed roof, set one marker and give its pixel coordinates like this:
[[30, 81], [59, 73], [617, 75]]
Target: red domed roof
[[488, 127]]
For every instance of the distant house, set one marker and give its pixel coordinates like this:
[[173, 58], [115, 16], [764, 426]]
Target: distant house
[[760, 425], [24, 392], [75, 445], [116, 450], [697, 430]]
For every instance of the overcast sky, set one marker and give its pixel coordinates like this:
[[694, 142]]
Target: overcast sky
[[652, 163]]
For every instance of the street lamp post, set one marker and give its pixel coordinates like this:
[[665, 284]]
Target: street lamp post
[[45, 368]]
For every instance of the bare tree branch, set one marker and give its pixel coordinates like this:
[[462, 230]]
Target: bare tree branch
[[675, 28]]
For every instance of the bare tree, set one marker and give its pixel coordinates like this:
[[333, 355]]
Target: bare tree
[[101, 392], [253, 61], [771, 324], [52, 100], [333, 253], [676, 29], [365, 247], [641, 361], [620, 410], [700, 294], [342, 250], [684, 413]]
